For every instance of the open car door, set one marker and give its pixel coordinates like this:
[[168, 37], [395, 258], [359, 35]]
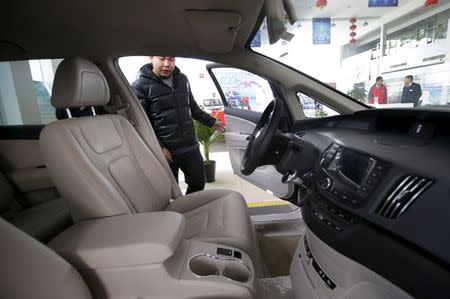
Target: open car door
[[245, 96]]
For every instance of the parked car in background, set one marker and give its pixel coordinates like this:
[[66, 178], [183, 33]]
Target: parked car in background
[[215, 108]]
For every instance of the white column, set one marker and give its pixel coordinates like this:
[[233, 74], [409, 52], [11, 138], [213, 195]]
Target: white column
[[9, 105], [383, 38], [26, 95]]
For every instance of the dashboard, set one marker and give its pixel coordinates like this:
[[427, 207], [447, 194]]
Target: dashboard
[[379, 191]]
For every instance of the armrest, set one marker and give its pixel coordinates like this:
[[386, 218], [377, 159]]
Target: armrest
[[129, 240]]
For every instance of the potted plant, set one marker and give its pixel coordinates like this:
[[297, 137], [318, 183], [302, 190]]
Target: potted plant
[[358, 94], [207, 136]]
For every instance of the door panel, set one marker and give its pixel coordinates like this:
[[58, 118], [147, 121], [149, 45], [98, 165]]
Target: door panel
[[245, 96], [236, 138], [21, 162]]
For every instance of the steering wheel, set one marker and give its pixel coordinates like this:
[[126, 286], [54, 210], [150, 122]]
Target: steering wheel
[[261, 139]]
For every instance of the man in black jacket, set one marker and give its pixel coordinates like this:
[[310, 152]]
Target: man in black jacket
[[411, 91], [165, 94]]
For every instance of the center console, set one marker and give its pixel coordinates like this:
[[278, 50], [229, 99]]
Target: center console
[[145, 255], [348, 176]]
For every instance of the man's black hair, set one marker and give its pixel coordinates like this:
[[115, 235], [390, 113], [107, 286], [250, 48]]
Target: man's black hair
[[379, 78], [410, 77]]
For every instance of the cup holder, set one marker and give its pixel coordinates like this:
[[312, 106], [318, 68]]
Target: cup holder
[[206, 265]]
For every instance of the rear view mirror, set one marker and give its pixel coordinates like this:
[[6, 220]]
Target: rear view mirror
[[276, 13]]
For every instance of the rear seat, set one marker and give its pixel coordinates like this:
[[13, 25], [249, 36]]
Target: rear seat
[[43, 221]]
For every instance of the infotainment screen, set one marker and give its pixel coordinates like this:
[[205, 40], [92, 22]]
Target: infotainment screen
[[354, 165]]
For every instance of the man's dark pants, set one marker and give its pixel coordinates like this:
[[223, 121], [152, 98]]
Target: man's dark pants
[[191, 164]]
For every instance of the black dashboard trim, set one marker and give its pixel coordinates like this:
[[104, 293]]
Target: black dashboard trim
[[421, 277]]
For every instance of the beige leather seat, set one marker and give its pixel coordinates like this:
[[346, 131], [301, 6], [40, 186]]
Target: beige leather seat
[[43, 221], [103, 168], [31, 270]]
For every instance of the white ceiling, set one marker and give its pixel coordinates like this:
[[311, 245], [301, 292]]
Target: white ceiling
[[306, 9]]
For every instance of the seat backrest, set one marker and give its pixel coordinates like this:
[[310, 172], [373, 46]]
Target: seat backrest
[[31, 270], [99, 164]]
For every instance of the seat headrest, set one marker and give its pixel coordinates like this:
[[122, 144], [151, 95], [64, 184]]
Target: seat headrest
[[78, 82]]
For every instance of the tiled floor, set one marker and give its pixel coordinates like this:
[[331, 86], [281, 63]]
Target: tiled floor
[[225, 178]]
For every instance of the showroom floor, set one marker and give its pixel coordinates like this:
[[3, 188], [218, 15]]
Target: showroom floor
[[225, 178]]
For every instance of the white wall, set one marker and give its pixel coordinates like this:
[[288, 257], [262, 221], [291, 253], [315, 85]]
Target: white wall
[[320, 61]]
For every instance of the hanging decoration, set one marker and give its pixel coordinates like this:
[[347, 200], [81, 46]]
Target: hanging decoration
[[352, 29], [321, 4], [430, 3]]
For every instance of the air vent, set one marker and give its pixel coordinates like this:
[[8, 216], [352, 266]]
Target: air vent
[[398, 65], [403, 196], [440, 57]]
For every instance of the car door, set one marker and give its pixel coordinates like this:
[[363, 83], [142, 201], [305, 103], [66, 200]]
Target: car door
[[25, 108], [245, 96]]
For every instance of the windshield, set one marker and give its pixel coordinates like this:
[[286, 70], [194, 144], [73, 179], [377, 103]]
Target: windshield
[[385, 53]]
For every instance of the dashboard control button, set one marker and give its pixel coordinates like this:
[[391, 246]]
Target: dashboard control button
[[337, 228], [330, 284], [224, 251], [326, 183], [355, 202]]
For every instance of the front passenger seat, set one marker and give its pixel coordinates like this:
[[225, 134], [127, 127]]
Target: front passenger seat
[[103, 168], [31, 270]]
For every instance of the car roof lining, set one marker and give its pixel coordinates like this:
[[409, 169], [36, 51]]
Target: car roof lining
[[51, 29]]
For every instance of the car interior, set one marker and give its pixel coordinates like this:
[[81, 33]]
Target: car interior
[[90, 208]]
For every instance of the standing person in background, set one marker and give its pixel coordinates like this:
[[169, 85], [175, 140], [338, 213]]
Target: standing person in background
[[165, 94], [411, 91], [378, 92]]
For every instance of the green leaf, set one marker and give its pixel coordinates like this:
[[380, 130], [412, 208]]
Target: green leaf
[[207, 136]]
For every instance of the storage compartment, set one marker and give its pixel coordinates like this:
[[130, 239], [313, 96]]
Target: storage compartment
[[205, 265]]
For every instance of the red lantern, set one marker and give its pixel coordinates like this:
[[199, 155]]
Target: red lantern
[[321, 3], [352, 34], [352, 41], [430, 3], [352, 20], [353, 27]]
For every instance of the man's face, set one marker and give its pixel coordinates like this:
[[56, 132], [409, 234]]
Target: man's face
[[380, 82], [163, 66], [407, 81]]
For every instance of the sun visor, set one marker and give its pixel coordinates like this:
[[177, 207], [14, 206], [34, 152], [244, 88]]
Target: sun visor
[[214, 31]]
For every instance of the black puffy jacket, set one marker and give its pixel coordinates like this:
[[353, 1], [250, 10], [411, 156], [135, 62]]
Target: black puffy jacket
[[170, 109]]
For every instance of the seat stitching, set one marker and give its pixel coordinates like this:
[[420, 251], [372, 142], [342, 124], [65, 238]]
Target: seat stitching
[[65, 126], [139, 169], [106, 151]]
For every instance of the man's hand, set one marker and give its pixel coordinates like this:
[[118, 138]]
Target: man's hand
[[218, 126], [167, 154]]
